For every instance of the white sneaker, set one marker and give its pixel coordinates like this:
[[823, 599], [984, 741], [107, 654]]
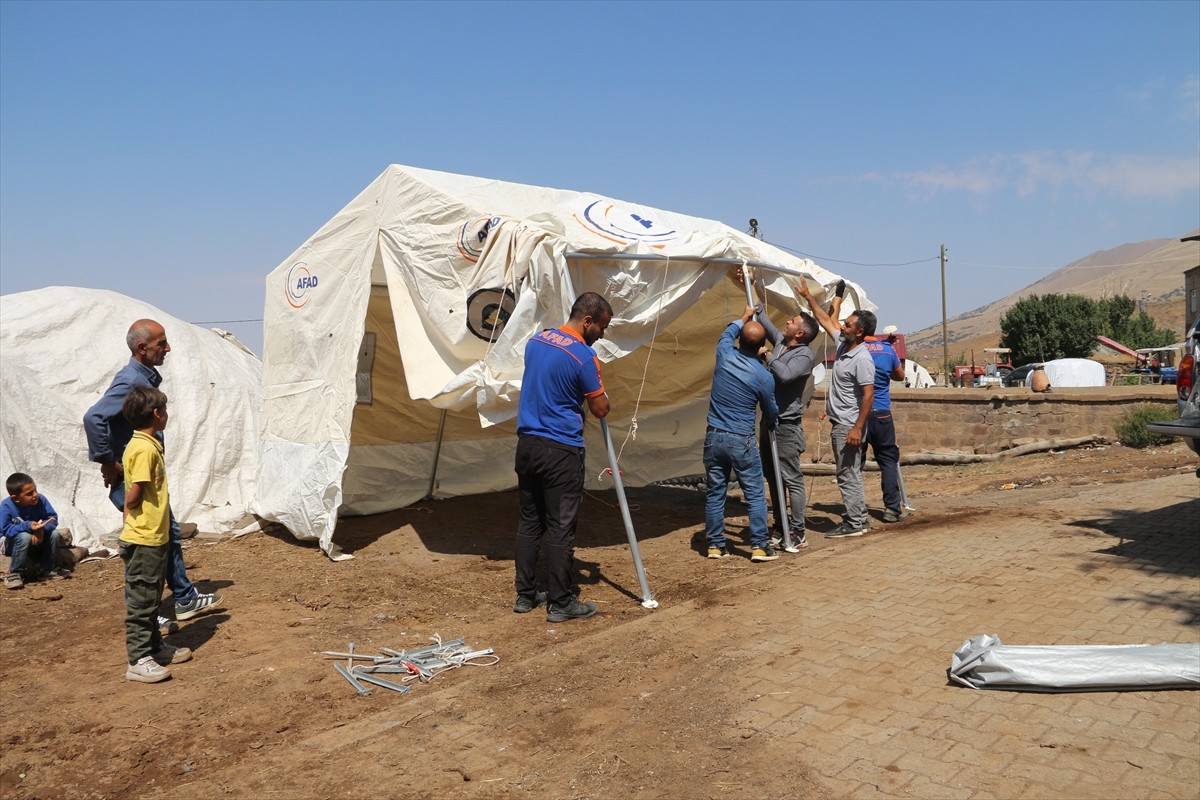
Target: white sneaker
[[146, 670], [169, 654], [167, 626]]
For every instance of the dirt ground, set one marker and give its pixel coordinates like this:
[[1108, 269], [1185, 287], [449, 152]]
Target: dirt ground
[[601, 708]]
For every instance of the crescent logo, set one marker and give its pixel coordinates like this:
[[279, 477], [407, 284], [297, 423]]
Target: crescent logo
[[623, 224], [473, 235], [488, 310], [299, 281]]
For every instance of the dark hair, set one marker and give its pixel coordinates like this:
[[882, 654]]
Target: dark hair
[[590, 304], [16, 482], [866, 322], [808, 325], [140, 404]]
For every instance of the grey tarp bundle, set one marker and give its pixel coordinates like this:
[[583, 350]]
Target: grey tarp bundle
[[984, 662]]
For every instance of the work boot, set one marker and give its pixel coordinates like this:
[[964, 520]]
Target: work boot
[[574, 609]]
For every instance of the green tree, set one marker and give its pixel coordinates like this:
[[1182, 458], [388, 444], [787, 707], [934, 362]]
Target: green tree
[[1132, 329], [1045, 327]]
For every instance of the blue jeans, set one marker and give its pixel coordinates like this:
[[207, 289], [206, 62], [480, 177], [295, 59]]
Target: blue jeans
[[881, 435], [723, 452], [21, 545], [177, 579]]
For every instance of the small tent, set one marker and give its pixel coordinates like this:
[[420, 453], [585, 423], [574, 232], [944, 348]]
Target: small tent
[[1072, 372], [394, 338], [59, 350]]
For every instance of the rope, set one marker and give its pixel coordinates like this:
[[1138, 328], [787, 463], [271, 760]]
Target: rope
[[633, 422]]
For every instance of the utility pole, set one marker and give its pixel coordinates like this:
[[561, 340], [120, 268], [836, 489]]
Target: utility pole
[[945, 338]]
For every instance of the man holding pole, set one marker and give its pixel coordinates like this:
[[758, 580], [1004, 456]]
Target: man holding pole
[[740, 384], [561, 372]]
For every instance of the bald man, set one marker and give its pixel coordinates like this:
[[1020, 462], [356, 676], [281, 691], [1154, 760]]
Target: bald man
[[108, 432], [741, 384]]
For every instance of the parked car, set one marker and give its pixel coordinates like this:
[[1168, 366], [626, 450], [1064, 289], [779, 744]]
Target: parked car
[[1018, 375], [1187, 396]]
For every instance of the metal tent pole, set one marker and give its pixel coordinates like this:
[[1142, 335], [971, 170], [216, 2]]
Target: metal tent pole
[[581, 256], [648, 600], [781, 513], [437, 454]]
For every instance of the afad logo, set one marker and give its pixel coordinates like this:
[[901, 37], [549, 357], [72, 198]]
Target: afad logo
[[299, 281], [473, 235], [623, 224]]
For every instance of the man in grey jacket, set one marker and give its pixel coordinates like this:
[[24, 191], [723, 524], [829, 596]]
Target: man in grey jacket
[[790, 362]]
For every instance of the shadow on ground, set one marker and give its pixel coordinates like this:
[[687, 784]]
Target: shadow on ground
[[1163, 540]]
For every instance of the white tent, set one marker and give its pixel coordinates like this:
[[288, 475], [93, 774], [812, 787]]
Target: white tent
[[915, 376], [59, 350], [1068, 372], [394, 338]]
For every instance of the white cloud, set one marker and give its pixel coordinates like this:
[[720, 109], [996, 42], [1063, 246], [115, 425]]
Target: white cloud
[[1027, 174]]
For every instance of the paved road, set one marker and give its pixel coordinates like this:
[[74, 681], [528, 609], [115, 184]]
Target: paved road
[[852, 667]]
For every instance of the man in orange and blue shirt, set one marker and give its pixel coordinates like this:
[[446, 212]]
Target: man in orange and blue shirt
[[881, 431], [561, 373]]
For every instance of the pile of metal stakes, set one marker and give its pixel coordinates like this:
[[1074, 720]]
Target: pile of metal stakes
[[421, 664]]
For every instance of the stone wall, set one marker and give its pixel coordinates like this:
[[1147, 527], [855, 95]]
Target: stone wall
[[990, 420]]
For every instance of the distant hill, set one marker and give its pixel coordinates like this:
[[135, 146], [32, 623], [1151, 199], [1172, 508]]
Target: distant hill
[[1155, 266]]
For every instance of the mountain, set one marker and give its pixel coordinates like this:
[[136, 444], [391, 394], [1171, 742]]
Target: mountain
[[1152, 270]]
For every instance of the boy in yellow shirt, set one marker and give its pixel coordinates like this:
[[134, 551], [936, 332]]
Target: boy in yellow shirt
[[143, 540]]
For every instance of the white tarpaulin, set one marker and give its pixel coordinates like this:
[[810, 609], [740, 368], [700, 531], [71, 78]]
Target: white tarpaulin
[[984, 662], [59, 350], [1067, 372], [417, 299]]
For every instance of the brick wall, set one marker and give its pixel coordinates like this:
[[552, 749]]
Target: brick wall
[[990, 420]]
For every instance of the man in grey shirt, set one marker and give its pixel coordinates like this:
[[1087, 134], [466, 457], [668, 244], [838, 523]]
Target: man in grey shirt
[[848, 406], [790, 362]]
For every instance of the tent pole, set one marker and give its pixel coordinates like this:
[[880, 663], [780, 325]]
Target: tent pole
[[648, 600], [736, 262], [781, 514], [437, 453]]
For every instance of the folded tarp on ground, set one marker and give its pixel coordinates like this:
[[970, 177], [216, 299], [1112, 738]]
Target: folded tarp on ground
[[984, 662]]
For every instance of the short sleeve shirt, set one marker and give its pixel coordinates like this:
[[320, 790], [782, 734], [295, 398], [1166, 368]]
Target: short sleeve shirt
[[886, 361], [852, 370], [561, 370], [149, 523]]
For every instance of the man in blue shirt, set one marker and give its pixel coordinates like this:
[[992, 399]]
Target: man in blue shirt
[[881, 431], [108, 432], [561, 372], [740, 384]]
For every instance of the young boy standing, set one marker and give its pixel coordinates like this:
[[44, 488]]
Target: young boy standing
[[30, 525], [143, 540]]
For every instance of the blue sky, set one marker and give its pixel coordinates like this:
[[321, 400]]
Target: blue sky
[[178, 152]]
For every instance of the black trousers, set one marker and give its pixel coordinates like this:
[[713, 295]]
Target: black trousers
[[550, 477]]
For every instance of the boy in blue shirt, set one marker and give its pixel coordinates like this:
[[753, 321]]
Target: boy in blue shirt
[[30, 526]]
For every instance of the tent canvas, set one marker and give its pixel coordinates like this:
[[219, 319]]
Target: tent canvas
[[394, 338], [59, 350]]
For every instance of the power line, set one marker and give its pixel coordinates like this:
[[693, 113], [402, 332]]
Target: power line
[[852, 263]]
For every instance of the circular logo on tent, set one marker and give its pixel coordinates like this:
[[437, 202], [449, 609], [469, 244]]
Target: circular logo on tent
[[623, 224], [299, 282], [472, 236], [488, 310]]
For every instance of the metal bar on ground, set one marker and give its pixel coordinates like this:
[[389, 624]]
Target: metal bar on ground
[[345, 673]]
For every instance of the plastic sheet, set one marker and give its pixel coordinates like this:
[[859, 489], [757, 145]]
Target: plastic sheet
[[984, 662]]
